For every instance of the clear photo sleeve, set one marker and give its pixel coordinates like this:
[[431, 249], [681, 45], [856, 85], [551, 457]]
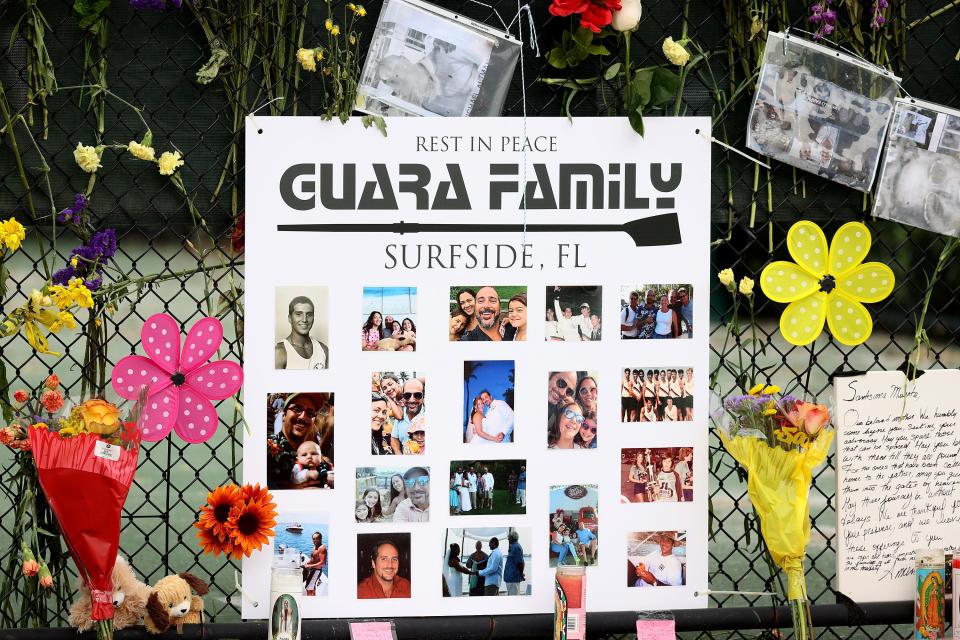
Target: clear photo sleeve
[[427, 61], [821, 110]]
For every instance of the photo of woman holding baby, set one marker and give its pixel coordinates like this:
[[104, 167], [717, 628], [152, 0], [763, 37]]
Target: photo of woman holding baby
[[296, 454]]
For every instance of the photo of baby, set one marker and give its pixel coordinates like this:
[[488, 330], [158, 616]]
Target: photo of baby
[[300, 441]]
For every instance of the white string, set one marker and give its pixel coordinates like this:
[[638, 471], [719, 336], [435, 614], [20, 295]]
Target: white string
[[236, 576], [496, 13], [531, 25], [729, 148], [252, 114], [523, 96], [709, 592]]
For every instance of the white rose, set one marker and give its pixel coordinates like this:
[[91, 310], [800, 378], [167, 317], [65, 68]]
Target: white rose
[[628, 17]]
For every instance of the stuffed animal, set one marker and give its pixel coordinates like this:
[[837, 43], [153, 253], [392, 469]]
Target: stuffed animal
[[129, 599], [395, 343], [171, 602]]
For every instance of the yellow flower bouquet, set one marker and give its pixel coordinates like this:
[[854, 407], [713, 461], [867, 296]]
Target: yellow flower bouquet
[[780, 440]]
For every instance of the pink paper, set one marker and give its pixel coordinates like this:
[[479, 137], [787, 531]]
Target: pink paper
[[656, 630], [371, 631]]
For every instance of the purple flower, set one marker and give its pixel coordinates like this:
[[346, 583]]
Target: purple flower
[[90, 259], [72, 214], [877, 19], [155, 5], [822, 15]]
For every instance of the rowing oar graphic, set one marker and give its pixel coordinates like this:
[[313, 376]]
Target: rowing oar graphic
[[653, 231]]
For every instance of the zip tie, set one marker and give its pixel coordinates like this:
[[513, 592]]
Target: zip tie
[[729, 148], [531, 25], [236, 576], [252, 114], [709, 592]]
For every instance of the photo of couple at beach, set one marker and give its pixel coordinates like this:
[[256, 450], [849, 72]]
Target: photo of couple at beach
[[488, 395], [488, 314]]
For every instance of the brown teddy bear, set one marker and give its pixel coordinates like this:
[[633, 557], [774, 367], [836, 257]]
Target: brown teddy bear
[[171, 602], [129, 599]]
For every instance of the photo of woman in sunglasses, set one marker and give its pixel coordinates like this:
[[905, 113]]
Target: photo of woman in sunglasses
[[392, 494], [572, 410], [398, 413]]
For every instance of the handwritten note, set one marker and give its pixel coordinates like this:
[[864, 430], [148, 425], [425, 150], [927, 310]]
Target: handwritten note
[[371, 631], [656, 630], [898, 478]]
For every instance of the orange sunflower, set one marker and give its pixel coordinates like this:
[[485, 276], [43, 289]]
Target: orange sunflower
[[215, 515], [211, 543], [255, 493], [251, 526]]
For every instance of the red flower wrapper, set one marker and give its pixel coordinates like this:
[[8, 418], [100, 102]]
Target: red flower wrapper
[[86, 480]]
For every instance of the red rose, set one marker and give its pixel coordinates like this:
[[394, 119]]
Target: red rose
[[597, 16], [564, 8]]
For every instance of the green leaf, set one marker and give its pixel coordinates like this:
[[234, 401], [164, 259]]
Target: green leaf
[[89, 11], [598, 50], [571, 92], [611, 71], [211, 68], [663, 86], [583, 37], [4, 402], [376, 121], [147, 140], [557, 58]]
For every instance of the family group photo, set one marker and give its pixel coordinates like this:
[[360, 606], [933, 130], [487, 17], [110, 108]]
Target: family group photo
[[657, 559], [656, 475], [487, 561], [656, 395], [300, 441], [398, 420], [488, 487], [301, 330], [488, 314], [574, 525], [389, 319], [656, 311], [573, 314], [383, 565], [392, 494], [488, 395], [572, 410], [303, 542]]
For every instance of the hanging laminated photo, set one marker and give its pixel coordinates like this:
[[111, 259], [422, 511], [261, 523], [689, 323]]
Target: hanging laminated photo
[[821, 111], [921, 168], [426, 61]]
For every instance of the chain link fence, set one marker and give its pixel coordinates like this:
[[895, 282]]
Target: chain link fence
[[148, 60]]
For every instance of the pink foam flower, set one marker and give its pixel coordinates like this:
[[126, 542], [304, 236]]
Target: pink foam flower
[[181, 384]]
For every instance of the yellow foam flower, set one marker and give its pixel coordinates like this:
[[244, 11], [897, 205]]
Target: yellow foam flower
[[307, 59], [87, 158], [169, 162], [141, 151], [675, 52], [827, 285], [11, 234]]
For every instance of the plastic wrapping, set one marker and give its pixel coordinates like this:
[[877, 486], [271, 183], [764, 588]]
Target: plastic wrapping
[[86, 482], [427, 61], [821, 110]]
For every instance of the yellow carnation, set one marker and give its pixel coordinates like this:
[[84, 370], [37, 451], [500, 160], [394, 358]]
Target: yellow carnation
[[169, 162], [141, 151], [87, 158], [727, 278], [360, 11], [306, 59], [746, 286], [675, 52], [11, 234]]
